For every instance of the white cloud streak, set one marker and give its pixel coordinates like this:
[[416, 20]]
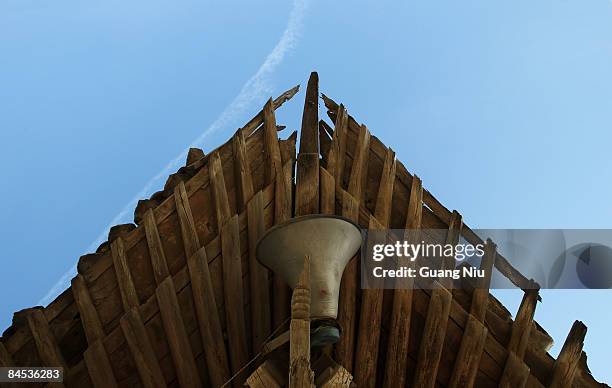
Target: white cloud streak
[[254, 90]]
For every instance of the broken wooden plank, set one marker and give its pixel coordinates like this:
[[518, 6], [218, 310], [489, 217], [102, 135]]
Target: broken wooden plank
[[469, 354], [368, 338], [242, 172], [432, 342], [307, 186], [233, 294], [566, 365], [89, 315], [261, 324], [142, 352], [98, 366], [208, 318], [178, 341], [156, 250], [249, 128], [129, 298], [401, 314], [345, 348]]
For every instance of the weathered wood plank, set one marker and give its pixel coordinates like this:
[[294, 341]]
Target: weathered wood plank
[[347, 317], [249, 128], [191, 241], [264, 377], [360, 164], [208, 318], [142, 352], [468, 358], [328, 192], [89, 316], [521, 329], [401, 314], [300, 374], [261, 324], [178, 341], [430, 349], [307, 186], [339, 378], [452, 237], [219, 190], [516, 373], [566, 365], [156, 250], [480, 296], [129, 298], [46, 344], [337, 152], [368, 339], [244, 179], [98, 366], [233, 294]]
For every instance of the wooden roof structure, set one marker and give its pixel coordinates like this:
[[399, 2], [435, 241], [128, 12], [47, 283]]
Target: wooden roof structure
[[178, 299]]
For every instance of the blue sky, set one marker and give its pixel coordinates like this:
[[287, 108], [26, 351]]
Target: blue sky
[[503, 108]]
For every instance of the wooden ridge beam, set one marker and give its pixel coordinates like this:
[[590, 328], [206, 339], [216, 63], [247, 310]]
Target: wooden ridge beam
[[401, 313], [307, 185], [566, 365], [432, 342], [98, 366], [178, 341], [156, 250], [141, 350], [261, 324], [129, 298], [368, 339]]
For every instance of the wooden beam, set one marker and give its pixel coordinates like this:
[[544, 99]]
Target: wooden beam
[[219, 190], [338, 378], [480, 296], [515, 374], [345, 348], [273, 160], [266, 376], [242, 172], [307, 186], [208, 318], [452, 238], [142, 352], [566, 365], [521, 328], [89, 316], [156, 250], [129, 298], [368, 339], [434, 332], [337, 152], [328, 192], [470, 351], [300, 374], [359, 169], [233, 294], [48, 350], [397, 347], [261, 324], [99, 366], [178, 341]]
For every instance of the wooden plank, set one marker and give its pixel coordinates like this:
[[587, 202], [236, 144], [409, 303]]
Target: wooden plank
[[46, 344], [328, 192], [523, 323], [242, 173], [233, 294], [208, 318], [178, 341], [89, 316], [516, 373], [345, 348], [300, 374], [339, 378], [156, 250], [142, 352], [566, 365], [273, 160], [191, 241], [98, 366], [359, 168], [129, 298], [219, 190], [368, 339], [452, 238], [259, 277], [480, 296], [307, 185], [264, 377], [249, 128], [337, 152], [401, 314], [468, 358], [434, 332]]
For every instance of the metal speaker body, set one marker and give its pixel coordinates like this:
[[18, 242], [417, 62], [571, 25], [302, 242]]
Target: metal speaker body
[[329, 241]]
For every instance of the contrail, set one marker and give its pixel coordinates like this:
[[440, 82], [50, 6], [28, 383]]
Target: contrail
[[254, 90]]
